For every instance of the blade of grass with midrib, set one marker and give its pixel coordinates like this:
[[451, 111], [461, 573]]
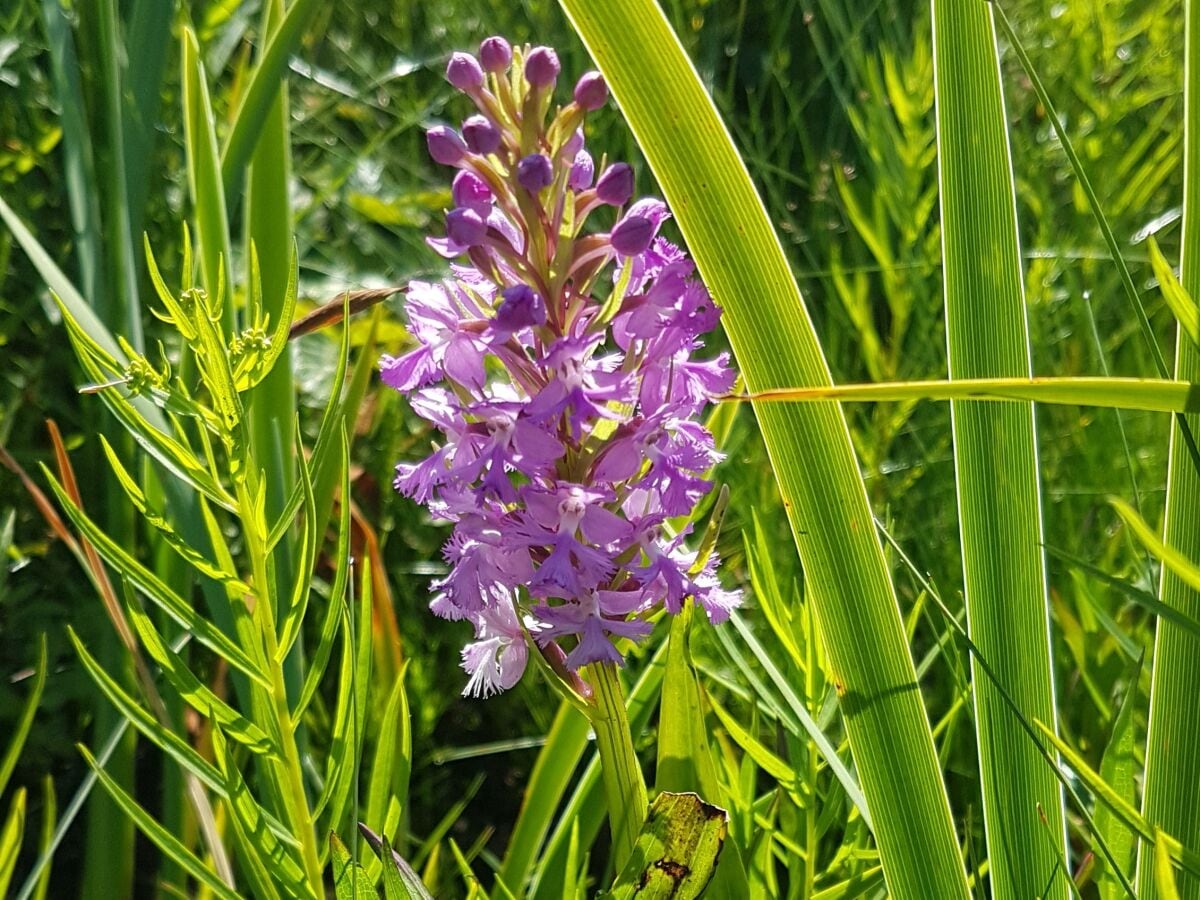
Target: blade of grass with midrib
[[742, 261], [1171, 793], [999, 497]]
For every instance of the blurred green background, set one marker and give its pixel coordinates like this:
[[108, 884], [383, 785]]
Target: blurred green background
[[830, 102]]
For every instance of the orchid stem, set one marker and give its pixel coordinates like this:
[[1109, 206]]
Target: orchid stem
[[624, 787]]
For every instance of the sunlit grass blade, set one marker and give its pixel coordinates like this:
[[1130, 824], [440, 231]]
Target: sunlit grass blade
[[387, 789], [796, 716], [204, 176], [280, 40], [738, 253], [1118, 768], [1180, 301], [11, 834], [1171, 790], [155, 590], [1179, 565], [996, 458], [1181, 853], [276, 864], [192, 690], [15, 740], [1147, 394]]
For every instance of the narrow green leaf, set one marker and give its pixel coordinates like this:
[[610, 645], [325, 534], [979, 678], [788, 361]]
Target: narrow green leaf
[[292, 617], [158, 521], [49, 821], [154, 589], [341, 774], [862, 885], [584, 808], [262, 92], [204, 175], [334, 611], [996, 459], [321, 463], [727, 228], [170, 845], [1183, 568], [192, 690], [349, 879], [20, 730], [1118, 768], [676, 852], [10, 839], [392, 765], [1164, 875], [552, 772], [272, 862], [808, 727], [1149, 394], [1171, 785], [1180, 853], [167, 741], [79, 172], [764, 758], [1182, 305], [125, 314], [400, 881], [685, 760]]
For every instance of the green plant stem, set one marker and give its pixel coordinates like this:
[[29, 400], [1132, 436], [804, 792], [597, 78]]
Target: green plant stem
[[624, 785], [291, 792]]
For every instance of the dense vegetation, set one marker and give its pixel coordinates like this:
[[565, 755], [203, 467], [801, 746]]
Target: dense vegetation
[[831, 106]]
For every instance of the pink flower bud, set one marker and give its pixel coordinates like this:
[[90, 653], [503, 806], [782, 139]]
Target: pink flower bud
[[495, 54], [591, 91], [464, 73], [445, 145], [542, 67]]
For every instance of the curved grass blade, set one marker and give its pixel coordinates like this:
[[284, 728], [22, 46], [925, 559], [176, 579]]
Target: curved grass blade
[[742, 261], [10, 838], [158, 521], [1183, 568], [999, 493], [1182, 305], [20, 731]]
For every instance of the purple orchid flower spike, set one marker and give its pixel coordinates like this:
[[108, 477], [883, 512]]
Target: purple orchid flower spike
[[568, 419]]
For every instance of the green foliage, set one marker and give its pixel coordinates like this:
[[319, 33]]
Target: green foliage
[[201, 495]]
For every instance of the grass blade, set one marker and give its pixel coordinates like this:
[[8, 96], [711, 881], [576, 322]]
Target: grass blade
[[742, 261], [1171, 793], [204, 177], [1148, 394], [999, 493]]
